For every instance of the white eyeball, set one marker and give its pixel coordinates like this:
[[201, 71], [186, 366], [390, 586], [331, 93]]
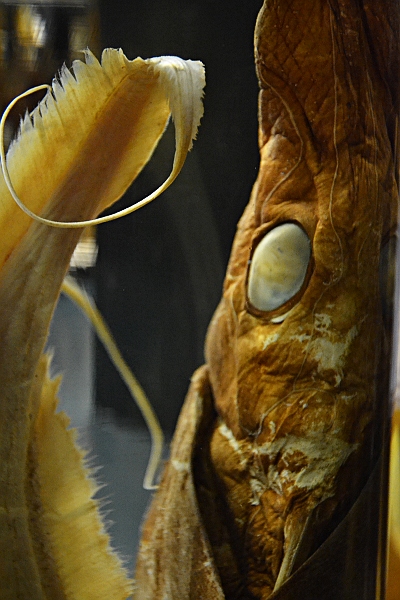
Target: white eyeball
[[278, 267]]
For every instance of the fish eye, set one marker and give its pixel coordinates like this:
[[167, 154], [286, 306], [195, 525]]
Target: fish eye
[[278, 267]]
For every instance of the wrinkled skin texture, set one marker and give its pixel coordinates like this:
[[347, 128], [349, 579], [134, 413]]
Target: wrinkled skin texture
[[300, 392]]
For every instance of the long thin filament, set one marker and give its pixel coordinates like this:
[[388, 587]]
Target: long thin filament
[[93, 314]]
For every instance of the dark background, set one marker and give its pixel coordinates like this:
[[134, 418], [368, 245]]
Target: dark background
[[159, 273]]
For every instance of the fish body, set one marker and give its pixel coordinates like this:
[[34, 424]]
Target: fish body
[[297, 351]]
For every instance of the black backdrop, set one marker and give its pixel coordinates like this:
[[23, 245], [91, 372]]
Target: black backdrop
[[159, 273]]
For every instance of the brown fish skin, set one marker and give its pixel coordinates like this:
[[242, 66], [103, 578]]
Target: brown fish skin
[[300, 392], [300, 401]]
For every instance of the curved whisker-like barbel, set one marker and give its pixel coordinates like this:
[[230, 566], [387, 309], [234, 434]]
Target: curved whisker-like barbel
[[73, 291]]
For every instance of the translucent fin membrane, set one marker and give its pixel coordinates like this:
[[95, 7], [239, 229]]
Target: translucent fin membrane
[[161, 86]]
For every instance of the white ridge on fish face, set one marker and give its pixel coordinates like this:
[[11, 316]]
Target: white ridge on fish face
[[278, 266]]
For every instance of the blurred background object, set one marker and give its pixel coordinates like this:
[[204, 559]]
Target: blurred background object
[[36, 38]]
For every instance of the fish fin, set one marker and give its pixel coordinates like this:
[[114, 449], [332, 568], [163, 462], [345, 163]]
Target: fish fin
[[86, 566], [92, 134]]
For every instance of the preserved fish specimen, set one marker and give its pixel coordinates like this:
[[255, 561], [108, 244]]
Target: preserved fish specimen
[[273, 486]]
